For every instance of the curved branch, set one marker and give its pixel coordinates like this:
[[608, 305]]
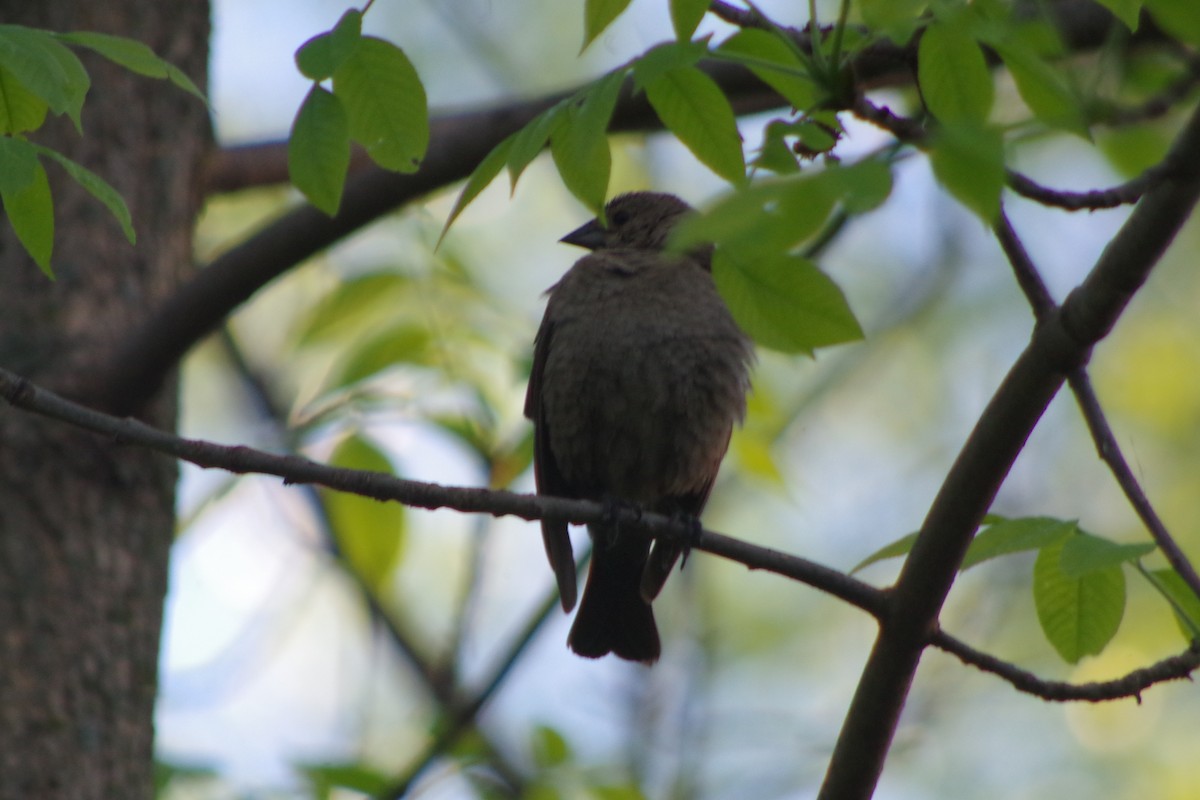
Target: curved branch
[[1060, 343], [1172, 668]]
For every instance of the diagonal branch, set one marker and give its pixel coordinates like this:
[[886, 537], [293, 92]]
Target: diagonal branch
[[1060, 343]]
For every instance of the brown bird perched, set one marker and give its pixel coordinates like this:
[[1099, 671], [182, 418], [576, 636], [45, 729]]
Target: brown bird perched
[[639, 374]]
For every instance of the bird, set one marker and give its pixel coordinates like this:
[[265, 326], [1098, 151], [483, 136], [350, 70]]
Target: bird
[[639, 375]]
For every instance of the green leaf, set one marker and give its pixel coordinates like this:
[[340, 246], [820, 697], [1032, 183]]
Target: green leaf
[[1127, 11], [580, 145], [30, 211], [98, 188], [480, 177], [386, 104], [549, 747], [369, 533], [1184, 602], [969, 162], [1079, 615], [404, 343], [1004, 537], [20, 109], [1179, 18], [771, 217], [531, 140], [319, 149], [1043, 88], [896, 19], [686, 16], [598, 15], [18, 163], [953, 75], [695, 109], [663, 58], [319, 57], [341, 312], [775, 63], [46, 68], [785, 303], [324, 778], [133, 56], [1085, 553], [897, 548]]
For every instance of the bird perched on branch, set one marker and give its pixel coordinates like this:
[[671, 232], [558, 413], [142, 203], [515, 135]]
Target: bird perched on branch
[[639, 375]]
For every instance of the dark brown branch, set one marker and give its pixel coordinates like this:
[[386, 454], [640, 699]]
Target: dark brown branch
[[1060, 343], [294, 469], [1172, 668]]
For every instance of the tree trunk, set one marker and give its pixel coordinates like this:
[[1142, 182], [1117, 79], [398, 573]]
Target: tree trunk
[[86, 525]]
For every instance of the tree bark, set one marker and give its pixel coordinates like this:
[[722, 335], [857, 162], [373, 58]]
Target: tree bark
[[86, 525]]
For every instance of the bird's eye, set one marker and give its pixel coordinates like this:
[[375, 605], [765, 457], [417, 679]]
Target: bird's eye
[[620, 217]]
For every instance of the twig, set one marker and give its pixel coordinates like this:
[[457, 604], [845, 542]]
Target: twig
[[1172, 668]]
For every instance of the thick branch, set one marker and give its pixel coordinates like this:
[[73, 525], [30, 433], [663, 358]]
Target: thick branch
[[1060, 344]]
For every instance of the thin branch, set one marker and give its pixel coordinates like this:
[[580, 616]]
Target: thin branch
[[294, 469], [1061, 343], [465, 716], [1110, 454], [1172, 668]]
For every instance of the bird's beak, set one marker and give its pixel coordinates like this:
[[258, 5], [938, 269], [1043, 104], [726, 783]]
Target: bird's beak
[[591, 236]]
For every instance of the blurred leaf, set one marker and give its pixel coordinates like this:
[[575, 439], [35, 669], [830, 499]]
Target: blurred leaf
[[900, 547], [20, 109], [1179, 18], [618, 791], [775, 63], [896, 19], [580, 145], [1085, 553], [1133, 149], [324, 778], [953, 75], [1079, 615], [785, 303], [46, 68], [319, 57], [771, 217], [776, 153], [18, 163], [686, 16], [1002, 537], [30, 212], [598, 15], [1043, 88], [386, 104], [755, 457], [549, 747], [1127, 11], [319, 149], [1184, 603], [480, 177], [135, 57], [350, 303], [98, 188], [369, 533], [403, 344], [969, 162]]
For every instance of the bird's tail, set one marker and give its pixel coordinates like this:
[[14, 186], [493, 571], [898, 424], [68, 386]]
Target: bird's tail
[[613, 617]]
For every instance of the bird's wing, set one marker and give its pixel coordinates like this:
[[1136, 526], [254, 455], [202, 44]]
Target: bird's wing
[[549, 478]]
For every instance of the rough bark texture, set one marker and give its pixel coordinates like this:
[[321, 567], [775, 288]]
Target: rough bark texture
[[86, 525]]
